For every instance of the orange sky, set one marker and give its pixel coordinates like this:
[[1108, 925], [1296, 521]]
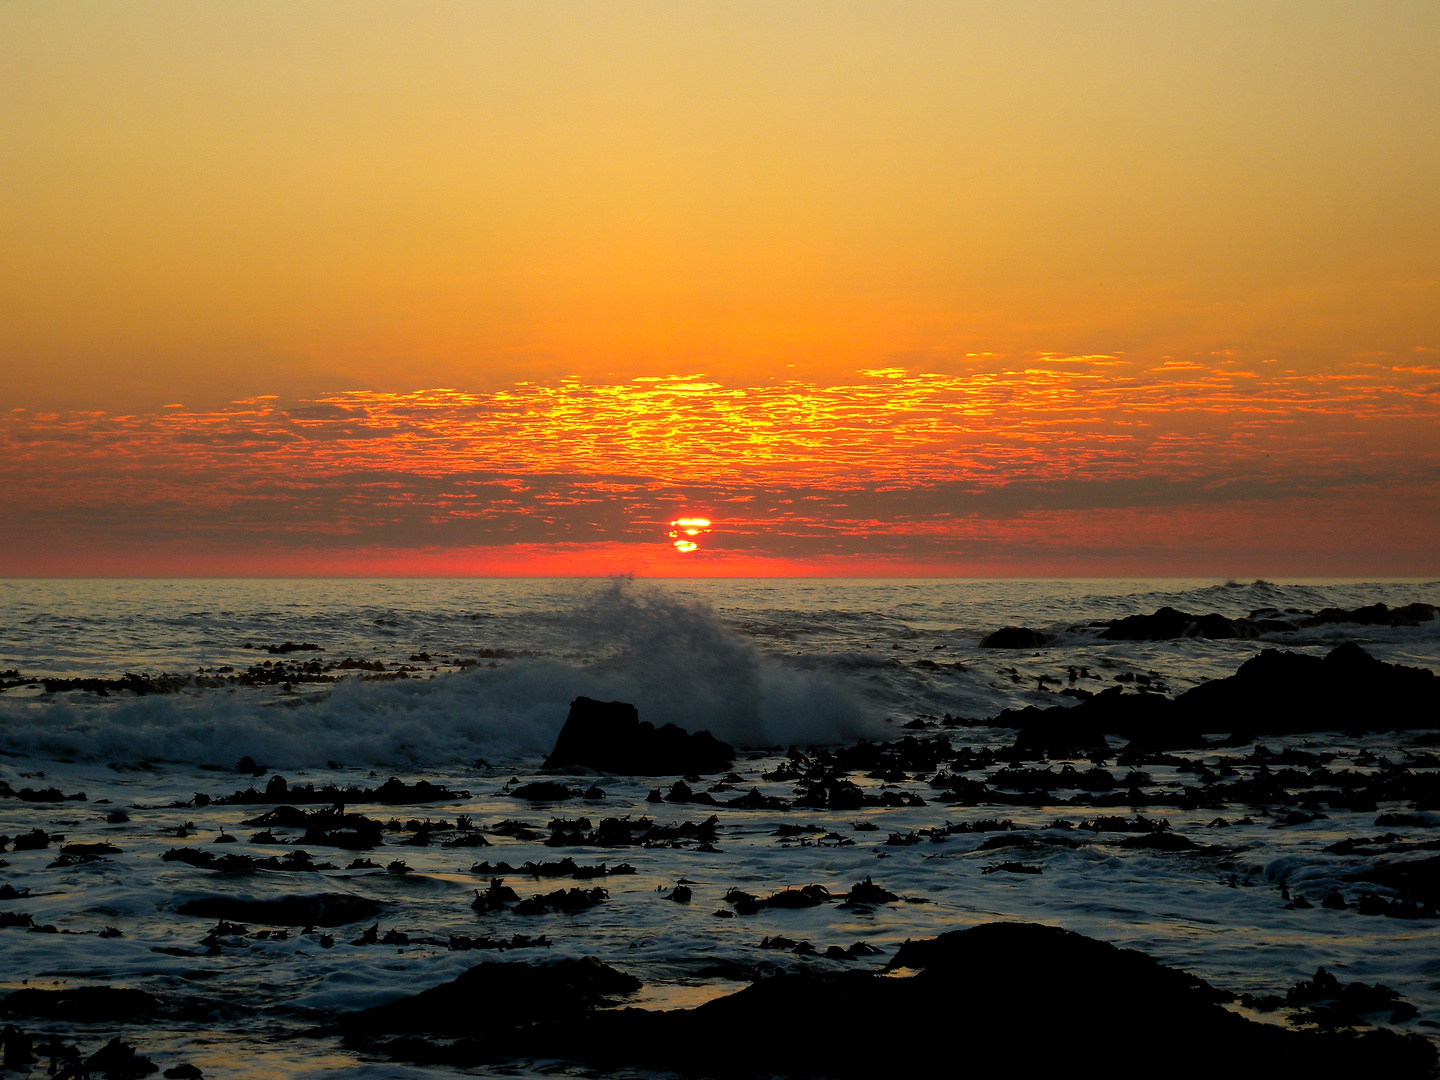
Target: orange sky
[[927, 288]]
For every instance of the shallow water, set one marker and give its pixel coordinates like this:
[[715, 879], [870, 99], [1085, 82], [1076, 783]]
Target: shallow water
[[765, 664]]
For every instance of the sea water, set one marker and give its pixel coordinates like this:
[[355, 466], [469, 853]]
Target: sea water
[[467, 682]]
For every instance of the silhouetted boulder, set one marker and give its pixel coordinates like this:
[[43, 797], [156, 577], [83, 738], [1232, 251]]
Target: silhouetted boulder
[[611, 737], [1014, 637]]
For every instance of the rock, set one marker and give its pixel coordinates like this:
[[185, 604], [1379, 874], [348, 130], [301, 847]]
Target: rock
[[324, 909], [1040, 991], [496, 997], [119, 1061], [19, 1051], [1167, 623], [82, 1004], [867, 892], [184, 1071], [393, 792], [1373, 615], [748, 904], [1274, 693], [1161, 841], [1415, 881], [1015, 637], [568, 901], [610, 737], [494, 898], [545, 791], [1330, 1003]]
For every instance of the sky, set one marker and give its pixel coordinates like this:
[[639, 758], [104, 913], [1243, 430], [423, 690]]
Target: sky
[[1020, 288]]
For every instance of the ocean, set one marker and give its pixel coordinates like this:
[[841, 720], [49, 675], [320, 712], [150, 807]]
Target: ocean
[[466, 683]]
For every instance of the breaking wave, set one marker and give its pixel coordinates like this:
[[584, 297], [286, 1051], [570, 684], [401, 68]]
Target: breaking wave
[[674, 659]]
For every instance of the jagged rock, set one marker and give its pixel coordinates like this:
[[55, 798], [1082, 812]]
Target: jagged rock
[[611, 737]]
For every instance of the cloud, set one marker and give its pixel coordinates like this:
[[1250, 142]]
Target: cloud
[[912, 464]]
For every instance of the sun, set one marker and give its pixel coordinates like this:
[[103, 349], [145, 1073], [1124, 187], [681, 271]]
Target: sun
[[682, 530]]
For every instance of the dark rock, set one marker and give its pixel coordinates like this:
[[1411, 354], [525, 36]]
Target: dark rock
[[1014, 637], [1416, 879], [19, 1051], [545, 791], [610, 737], [496, 997], [184, 1071], [494, 898], [82, 1004], [1330, 1003], [973, 986], [753, 800], [748, 904], [1168, 623], [1161, 841], [567, 901], [1373, 615], [393, 792], [867, 892], [119, 1062], [324, 909], [90, 849], [1280, 693]]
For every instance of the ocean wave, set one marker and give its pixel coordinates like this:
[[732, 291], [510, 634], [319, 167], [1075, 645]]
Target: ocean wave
[[673, 659]]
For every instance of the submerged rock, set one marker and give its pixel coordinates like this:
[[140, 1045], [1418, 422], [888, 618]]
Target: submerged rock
[[611, 737]]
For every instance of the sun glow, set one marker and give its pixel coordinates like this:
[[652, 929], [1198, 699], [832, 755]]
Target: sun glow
[[681, 529]]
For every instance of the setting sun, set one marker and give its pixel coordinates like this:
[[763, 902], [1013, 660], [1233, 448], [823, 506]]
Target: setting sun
[[681, 529]]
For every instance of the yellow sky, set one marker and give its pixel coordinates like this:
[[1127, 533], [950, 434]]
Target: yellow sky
[[207, 201]]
